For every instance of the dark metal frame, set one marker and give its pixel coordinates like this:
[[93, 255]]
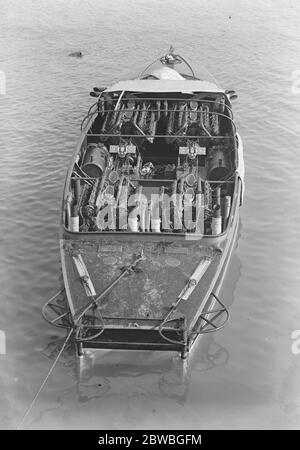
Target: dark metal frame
[[119, 100]]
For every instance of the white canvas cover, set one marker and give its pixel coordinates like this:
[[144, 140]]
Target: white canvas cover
[[184, 86]]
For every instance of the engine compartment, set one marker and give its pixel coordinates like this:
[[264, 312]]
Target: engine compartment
[[155, 164]]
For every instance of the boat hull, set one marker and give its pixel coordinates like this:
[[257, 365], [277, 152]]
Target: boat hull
[[150, 213]]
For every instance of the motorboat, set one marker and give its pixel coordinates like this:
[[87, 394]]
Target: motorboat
[[150, 212]]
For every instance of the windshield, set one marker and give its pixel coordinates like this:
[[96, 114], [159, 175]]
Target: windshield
[[172, 66]]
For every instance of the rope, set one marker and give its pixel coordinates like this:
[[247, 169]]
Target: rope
[[45, 380], [55, 295], [78, 319]]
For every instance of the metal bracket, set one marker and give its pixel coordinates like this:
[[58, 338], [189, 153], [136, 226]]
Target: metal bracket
[[56, 311], [209, 317], [123, 149], [84, 331]]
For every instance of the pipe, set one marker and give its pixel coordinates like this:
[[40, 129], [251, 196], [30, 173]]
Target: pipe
[[199, 208], [117, 117], [148, 217], [68, 209], [142, 212], [202, 123], [135, 119], [155, 225], [74, 219], [152, 127], [214, 119], [216, 225], [92, 198], [195, 278], [138, 165], [128, 114], [119, 100], [216, 221], [170, 124], [158, 110], [227, 207], [199, 185], [77, 190], [165, 108], [218, 202], [194, 108], [143, 115], [178, 207], [206, 114], [164, 212], [182, 114], [133, 224]]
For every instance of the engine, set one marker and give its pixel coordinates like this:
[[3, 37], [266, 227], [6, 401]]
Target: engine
[[149, 171], [179, 117]]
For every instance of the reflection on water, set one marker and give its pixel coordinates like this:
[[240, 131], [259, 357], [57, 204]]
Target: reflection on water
[[94, 372]]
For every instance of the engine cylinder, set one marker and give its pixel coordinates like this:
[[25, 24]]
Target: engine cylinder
[[95, 160], [218, 166]]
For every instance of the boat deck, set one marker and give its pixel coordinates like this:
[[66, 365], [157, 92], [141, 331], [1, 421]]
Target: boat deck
[[144, 297]]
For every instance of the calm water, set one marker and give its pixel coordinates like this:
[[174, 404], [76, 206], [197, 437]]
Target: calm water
[[246, 375]]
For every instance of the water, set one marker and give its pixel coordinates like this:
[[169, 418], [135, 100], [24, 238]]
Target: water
[[245, 376]]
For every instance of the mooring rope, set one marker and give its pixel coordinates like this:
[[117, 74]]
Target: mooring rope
[[45, 379], [77, 320]]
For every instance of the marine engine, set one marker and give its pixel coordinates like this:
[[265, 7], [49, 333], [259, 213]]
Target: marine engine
[[153, 170]]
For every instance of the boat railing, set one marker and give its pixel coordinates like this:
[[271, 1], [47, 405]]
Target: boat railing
[[98, 107], [90, 114], [153, 135], [142, 136], [119, 100]]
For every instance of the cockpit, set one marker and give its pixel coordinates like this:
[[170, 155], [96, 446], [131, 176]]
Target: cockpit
[[159, 143]]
